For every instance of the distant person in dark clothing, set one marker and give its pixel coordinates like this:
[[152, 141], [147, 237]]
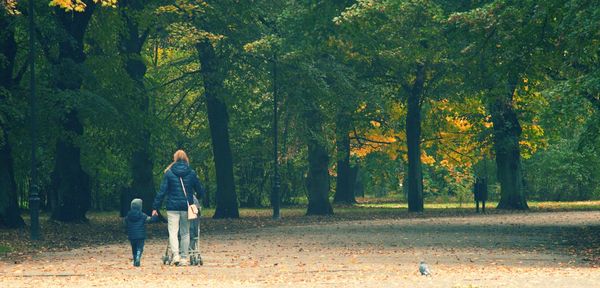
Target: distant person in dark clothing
[[481, 193], [136, 229]]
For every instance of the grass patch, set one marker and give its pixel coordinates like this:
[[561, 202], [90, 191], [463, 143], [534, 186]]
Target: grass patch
[[533, 205], [367, 208], [565, 206], [4, 249]]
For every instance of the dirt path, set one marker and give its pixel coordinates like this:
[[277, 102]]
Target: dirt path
[[510, 250]]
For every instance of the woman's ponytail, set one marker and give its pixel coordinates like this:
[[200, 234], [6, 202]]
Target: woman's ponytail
[[179, 155]]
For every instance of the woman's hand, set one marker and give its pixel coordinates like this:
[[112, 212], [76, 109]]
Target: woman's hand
[[154, 213]]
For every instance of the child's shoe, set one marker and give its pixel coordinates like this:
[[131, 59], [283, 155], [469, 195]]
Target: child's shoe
[[137, 259]]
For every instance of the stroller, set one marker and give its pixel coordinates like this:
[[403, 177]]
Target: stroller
[[194, 249]]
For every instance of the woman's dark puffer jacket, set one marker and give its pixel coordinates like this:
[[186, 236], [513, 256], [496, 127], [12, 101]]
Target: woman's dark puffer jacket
[[171, 187]]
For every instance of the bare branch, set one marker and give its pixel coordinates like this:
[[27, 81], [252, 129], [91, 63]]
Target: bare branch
[[356, 137], [183, 76]]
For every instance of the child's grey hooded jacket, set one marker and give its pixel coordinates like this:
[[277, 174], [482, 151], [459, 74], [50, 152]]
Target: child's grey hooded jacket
[[136, 221]]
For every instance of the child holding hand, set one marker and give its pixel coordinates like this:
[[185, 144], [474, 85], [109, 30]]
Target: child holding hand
[[136, 229]]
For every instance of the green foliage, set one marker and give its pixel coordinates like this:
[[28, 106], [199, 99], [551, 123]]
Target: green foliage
[[351, 58], [381, 176], [4, 249], [564, 173]]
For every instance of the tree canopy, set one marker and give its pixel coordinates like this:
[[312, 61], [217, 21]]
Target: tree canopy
[[408, 99]]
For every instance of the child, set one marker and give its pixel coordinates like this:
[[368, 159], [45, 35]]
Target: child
[[136, 229], [195, 222], [194, 249]]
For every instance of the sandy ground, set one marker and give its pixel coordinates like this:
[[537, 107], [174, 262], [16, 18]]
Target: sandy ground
[[510, 250]]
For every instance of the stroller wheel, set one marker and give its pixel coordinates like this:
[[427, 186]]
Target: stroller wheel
[[200, 261]]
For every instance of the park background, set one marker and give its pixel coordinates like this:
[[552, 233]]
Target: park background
[[407, 100], [400, 105], [339, 141]]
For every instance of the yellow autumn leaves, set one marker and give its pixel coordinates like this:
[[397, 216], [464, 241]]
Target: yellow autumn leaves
[[455, 138], [10, 6], [79, 5]]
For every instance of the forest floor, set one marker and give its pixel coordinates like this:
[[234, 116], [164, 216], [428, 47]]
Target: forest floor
[[371, 249]]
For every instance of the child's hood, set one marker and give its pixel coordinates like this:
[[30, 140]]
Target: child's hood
[[136, 204]]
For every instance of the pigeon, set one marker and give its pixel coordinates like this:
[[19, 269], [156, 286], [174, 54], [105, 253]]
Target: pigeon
[[424, 269]]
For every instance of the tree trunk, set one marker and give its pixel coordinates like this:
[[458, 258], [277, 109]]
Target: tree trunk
[[356, 181], [276, 179], [8, 49], [413, 142], [143, 181], [507, 133], [70, 184], [318, 165], [226, 198], [206, 199], [10, 214], [125, 197], [286, 175], [344, 185], [132, 41]]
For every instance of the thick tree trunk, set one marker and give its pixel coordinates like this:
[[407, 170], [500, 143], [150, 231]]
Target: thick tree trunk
[[70, 184], [344, 185], [8, 49], [226, 198], [218, 118], [507, 133], [318, 173], [132, 41], [143, 181], [413, 142], [125, 197], [10, 214]]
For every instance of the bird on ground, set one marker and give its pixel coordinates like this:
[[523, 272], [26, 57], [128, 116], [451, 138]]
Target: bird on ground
[[424, 269]]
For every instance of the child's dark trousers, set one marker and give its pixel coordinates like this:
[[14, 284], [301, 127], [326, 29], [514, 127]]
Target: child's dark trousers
[[137, 248]]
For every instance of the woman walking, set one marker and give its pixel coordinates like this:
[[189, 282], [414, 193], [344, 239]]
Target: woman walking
[[178, 184]]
